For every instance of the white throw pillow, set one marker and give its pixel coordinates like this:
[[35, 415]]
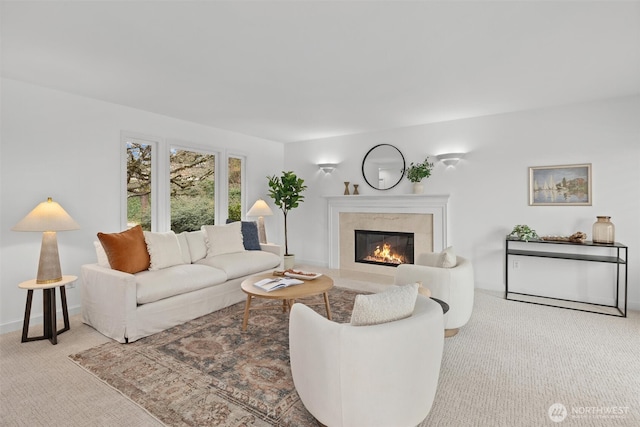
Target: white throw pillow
[[164, 249], [103, 260], [395, 303], [197, 244], [447, 258], [184, 247], [223, 239]]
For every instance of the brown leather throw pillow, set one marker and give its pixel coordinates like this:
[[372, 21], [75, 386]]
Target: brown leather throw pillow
[[126, 251]]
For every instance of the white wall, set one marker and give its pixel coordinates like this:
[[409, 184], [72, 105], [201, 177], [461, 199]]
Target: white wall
[[489, 188], [68, 147]]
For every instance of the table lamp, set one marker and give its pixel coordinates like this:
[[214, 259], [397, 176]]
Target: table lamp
[[260, 209], [48, 217]]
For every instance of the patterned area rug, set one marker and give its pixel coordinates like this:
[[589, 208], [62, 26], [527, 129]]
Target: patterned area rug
[[209, 372]]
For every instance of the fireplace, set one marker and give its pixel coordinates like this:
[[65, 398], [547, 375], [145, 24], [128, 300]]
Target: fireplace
[[389, 248], [425, 216]]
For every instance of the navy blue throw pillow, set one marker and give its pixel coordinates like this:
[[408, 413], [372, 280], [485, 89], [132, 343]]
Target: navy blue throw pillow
[[250, 237]]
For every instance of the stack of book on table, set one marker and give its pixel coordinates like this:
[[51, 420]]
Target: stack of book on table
[[271, 284]]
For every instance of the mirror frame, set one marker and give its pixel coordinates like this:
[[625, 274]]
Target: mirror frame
[[404, 166]]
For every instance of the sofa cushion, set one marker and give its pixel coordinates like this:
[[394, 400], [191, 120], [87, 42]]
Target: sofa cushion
[[103, 261], [164, 249], [250, 238], [184, 247], [242, 263], [126, 251], [223, 239], [159, 284], [197, 244], [395, 303]]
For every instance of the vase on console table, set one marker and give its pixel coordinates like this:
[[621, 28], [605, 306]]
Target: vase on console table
[[603, 230]]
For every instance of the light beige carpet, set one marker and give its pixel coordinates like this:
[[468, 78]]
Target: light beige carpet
[[505, 368]]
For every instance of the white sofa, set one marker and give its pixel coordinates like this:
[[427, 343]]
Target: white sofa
[[127, 307]]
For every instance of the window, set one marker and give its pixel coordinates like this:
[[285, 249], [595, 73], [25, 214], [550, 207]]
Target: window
[[140, 171], [173, 187], [192, 186], [235, 173]]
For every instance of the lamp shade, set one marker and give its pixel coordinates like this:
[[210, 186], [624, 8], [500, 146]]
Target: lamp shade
[[47, 216], [260, 208]]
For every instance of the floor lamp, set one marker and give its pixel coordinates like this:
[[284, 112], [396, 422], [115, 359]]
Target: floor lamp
[[48, 217], [260, 209]]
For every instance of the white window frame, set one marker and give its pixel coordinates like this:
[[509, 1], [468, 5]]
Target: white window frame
[[217, 199], [156, 179], [160, 176], [243, 186]]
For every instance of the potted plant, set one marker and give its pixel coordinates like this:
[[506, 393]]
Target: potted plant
[[523, 232], [416, 172], [286, 192]]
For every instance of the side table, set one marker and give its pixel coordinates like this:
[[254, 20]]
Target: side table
[[50, 331]]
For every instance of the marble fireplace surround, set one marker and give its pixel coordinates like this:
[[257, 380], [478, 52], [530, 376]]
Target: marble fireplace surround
[[407, 212]]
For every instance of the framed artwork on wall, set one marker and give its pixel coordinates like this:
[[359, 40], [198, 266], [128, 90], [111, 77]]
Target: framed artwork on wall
[[564, 185]]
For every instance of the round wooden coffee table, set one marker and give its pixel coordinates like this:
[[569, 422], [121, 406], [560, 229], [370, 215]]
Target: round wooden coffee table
[[288, 295]]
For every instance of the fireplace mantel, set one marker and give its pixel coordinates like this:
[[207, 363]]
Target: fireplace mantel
[[405, 203]]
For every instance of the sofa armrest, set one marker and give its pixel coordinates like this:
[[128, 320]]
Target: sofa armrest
[[108, 301], [273, 248]]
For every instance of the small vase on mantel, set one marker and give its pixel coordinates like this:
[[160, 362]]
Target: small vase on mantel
[[603, 230], [355, 189], [418, 187], [346, 188]]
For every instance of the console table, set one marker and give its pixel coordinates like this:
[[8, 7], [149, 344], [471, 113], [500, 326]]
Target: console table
[[618, 255]]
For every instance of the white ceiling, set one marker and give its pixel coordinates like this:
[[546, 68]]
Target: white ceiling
[[291, 71]]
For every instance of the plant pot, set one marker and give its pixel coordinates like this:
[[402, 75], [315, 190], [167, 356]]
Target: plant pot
[[418, 188], [289, 261]]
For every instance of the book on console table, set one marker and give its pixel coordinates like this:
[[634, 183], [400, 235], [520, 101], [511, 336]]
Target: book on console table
[[276, 283]]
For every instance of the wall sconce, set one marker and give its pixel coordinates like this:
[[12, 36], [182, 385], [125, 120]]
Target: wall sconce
[[450, 159], [327, 167]]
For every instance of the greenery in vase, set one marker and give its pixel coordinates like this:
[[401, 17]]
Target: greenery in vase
[[523, 232], [286, 192], [418, 171]]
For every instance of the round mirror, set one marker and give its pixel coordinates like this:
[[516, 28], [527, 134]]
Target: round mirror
[[383, 167]]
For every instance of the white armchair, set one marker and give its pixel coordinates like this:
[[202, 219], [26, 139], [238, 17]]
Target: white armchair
[[380, 375], [455, 286]]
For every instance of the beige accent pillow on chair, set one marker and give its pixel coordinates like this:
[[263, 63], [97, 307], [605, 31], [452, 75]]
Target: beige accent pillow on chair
[[447, 258], [395, 303]]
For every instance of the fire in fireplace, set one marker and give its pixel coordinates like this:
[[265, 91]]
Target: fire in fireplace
[[390, 248]]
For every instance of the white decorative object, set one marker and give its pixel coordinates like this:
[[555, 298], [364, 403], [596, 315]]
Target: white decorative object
[[289, 261], [418, 187]]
